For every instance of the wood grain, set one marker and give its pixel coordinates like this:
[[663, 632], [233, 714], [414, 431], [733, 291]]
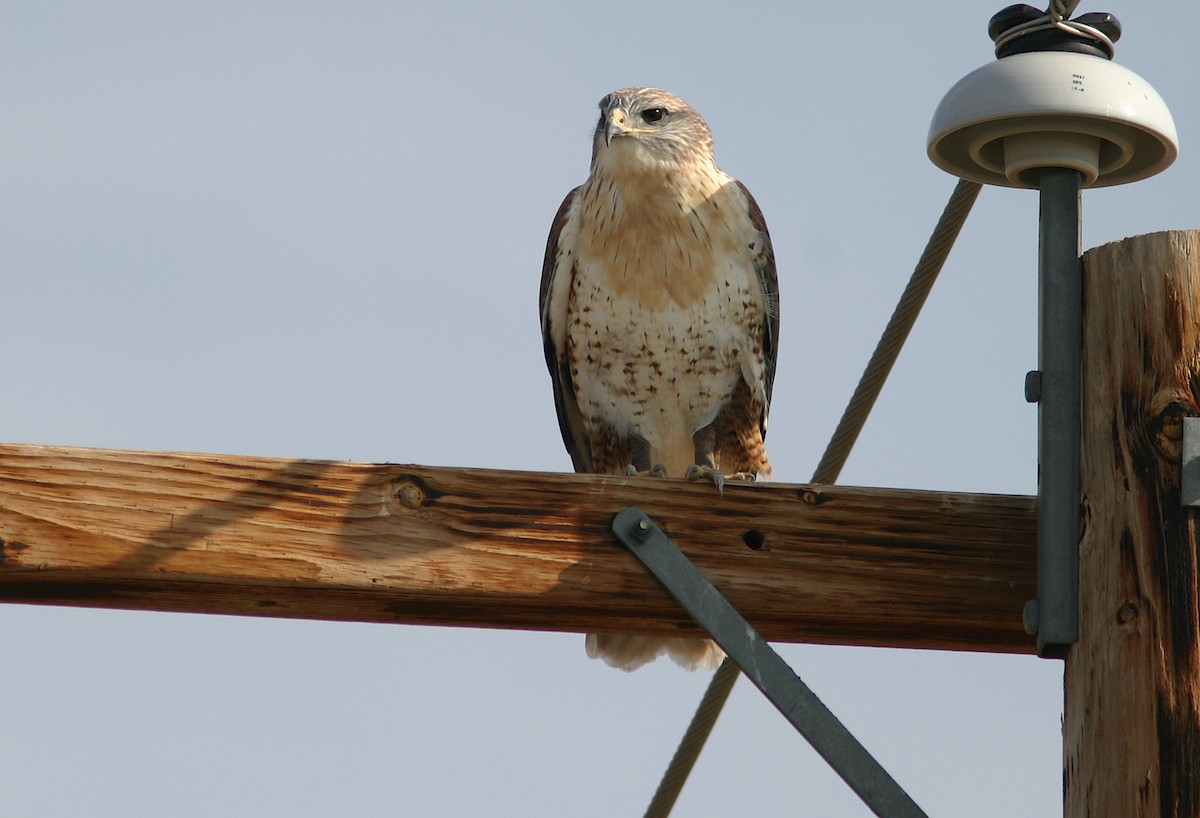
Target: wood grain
[[480, 548], [1132, 718]]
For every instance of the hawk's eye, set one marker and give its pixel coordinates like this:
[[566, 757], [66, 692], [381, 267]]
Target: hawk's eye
[[654, 114]]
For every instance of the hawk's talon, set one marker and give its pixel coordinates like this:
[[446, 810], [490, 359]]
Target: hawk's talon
[[657, 470], [698, 472]]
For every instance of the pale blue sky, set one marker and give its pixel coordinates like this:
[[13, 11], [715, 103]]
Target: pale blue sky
[[316, 230]]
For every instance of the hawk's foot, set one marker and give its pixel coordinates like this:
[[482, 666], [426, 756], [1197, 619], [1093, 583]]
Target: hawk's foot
[[698, 472], [657, 470]]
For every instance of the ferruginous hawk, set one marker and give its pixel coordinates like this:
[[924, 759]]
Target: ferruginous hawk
[[660, 317]]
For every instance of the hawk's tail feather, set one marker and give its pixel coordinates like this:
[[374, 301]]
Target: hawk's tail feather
[[631, 652], [755, 452], [741, 431]]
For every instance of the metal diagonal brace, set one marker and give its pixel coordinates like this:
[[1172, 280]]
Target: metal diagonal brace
[[763, 666]]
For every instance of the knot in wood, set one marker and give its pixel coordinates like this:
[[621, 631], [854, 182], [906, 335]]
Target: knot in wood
[[812, 497], [1167, 429], [410, 495], [1127, 613]]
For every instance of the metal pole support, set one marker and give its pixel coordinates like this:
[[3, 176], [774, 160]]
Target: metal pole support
[[1057, 388], [763, 666]]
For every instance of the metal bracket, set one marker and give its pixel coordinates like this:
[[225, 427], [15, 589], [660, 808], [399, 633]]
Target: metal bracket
[[1190, 479], [1054, 616], [763, 666]]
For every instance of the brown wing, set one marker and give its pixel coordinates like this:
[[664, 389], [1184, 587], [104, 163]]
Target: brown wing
[[570, 422], [742, 425], [768, 279]]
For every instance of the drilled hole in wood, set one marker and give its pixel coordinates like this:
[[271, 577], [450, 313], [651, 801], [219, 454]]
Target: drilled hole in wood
[[754, 540]]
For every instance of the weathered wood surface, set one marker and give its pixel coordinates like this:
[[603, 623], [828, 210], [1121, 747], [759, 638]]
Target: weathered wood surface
[[416, 544], [1132, 721]]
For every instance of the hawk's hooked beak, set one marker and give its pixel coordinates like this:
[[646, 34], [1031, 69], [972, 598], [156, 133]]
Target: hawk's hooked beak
[[616, 123]]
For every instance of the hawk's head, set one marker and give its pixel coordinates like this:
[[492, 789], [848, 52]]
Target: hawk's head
[[647, 129]]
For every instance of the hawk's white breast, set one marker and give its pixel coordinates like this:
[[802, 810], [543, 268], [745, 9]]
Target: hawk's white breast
[[663, 311]]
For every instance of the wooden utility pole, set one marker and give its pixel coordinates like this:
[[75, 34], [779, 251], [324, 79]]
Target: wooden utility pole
[[485, 548], [1132, 718]]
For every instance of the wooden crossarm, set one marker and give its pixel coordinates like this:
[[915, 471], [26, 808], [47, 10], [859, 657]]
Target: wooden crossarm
[[486, 548]]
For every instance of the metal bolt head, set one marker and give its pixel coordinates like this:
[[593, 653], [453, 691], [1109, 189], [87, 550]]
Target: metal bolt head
[[1033, 386], [1029, 617]]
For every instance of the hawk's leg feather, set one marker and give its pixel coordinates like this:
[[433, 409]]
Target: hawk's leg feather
[[639, 453], [705, 467], [639, 457]]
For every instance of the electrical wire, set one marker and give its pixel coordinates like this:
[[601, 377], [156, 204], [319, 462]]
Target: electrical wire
[[693, 739], [1057, 16], [853, 418], [896, 331], [1064, 7]]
